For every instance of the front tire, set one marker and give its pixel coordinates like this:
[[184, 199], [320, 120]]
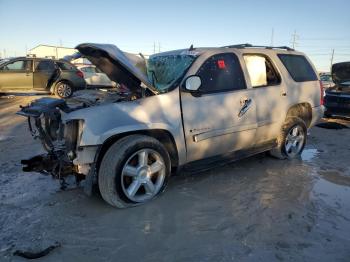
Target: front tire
[[292, 139], [63, 89], [134, 170]]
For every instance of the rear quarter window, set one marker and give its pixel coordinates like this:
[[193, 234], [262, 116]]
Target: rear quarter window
[[65, 66], [298, 67]]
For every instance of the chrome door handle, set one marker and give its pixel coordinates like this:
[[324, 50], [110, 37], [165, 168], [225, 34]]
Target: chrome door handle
[[246, 105]]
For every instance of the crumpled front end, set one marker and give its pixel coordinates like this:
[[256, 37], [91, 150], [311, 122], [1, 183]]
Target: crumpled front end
[[60, 139]]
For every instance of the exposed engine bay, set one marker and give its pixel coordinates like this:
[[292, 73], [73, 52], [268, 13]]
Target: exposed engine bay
[[59, 123], [60, 139]]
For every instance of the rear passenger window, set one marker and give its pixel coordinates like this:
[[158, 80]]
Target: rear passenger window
[[220, 73], [261, 71], [298, 67], [45, 65], [65, 66]]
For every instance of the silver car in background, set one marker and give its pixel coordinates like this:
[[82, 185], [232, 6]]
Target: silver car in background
[[94, 77]]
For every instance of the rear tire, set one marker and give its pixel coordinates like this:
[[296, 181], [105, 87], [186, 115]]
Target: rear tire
[[63, 89], [134, 170], [292, 139]]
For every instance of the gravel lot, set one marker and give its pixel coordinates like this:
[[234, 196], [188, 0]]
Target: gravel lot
[[257, 209]]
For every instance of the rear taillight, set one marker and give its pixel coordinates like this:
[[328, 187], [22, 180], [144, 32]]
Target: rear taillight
[[80, 74], [321, 94]]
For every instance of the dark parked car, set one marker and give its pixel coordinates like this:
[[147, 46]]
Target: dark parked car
[[40, 74], [337, 98]]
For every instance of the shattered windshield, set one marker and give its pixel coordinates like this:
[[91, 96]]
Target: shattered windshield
[[165, 71]]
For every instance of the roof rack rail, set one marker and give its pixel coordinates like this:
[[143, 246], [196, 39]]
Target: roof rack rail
[[258, 46], [280, 47], [239, 46]]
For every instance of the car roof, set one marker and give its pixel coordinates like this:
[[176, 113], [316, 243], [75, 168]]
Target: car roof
[[242, 48], [36, 58]]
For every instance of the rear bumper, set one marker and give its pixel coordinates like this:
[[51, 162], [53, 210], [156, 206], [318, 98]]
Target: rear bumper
[[317, 114]]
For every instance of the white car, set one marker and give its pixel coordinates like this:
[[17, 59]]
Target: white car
[[94, 77]]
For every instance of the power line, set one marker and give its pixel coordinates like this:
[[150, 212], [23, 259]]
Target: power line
[[324, 39]]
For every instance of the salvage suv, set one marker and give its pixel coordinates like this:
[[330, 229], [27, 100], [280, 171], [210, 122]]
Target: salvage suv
[[184, 107]]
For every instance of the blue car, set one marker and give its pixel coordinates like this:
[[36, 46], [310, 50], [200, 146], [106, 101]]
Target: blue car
[[337, 98]]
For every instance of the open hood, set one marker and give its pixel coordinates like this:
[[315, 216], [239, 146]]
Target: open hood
[[123, 68], [341, 72]]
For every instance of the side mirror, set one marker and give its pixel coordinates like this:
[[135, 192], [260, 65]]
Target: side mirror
[[193, 83]]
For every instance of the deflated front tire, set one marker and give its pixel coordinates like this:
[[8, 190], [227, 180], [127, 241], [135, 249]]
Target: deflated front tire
[[134, 170]]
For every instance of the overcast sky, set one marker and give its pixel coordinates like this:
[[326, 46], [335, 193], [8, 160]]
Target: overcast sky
[[136, 26]]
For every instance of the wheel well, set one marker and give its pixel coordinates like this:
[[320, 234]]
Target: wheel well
[[161, 135], [303, 111]]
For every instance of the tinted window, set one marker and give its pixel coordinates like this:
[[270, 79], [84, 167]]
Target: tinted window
[[221, 72], [261, 71], [45, 65], [65, 66], [19, 65], [298, 67]]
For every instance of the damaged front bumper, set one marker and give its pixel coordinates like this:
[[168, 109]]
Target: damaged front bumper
[[60, 139]]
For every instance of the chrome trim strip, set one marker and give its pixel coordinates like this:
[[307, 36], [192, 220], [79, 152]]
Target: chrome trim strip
[[221, 132]]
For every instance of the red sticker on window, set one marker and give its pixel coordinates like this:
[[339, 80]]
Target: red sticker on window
[[221, 64]]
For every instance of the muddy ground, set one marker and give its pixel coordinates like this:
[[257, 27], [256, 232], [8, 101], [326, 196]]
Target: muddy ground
[[257, 209]]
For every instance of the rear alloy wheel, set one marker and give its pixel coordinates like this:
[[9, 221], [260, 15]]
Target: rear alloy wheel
[[134, 170], [292, 139], [63, 90]]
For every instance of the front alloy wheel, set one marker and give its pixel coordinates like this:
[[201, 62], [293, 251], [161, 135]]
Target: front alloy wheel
[[134, 170], [143, 175]]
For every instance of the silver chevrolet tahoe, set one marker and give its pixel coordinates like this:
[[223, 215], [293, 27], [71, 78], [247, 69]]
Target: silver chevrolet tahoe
[[174, 110]]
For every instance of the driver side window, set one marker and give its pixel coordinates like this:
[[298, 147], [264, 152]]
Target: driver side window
[[221, 73]]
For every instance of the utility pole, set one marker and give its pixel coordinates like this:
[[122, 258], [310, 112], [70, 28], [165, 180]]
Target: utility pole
[[295, 37], [154, 47], [332, 57], [158, 47], [272, 33]]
